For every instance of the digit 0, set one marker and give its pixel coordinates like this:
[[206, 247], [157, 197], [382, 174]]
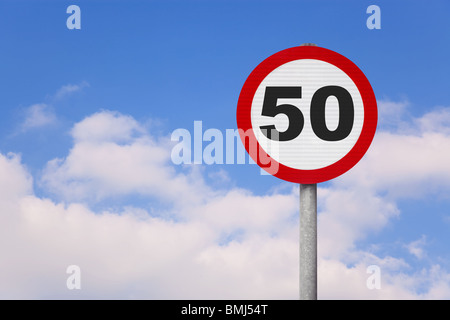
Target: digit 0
[[346, 113]]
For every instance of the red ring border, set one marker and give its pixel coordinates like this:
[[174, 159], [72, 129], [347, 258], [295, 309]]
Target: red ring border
[[243, 113]]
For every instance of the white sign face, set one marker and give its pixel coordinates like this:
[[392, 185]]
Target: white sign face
[[307, 151], [310, 110]]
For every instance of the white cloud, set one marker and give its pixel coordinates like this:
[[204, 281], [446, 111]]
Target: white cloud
[[350, 214], [437, 121], [402, 164], [15, 180], [113, 155], [416, 247], [130, 254], [218, 249], [69, 89], [392, 113], [42, 114], [215, 243], [107, 126], [38, 115], [409, 164], [339, 281]]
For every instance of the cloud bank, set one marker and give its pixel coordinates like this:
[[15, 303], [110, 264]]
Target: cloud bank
[[194, 241]]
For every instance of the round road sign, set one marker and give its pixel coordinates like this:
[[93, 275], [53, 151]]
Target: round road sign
[[306, 114]]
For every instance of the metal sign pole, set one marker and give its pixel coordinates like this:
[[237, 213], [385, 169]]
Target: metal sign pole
[[308, 241], [258, 100], [308, 237]]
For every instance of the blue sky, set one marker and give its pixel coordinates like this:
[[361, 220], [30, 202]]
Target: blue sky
[[85, 123]]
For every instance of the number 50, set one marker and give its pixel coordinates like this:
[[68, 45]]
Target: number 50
[[317, 113]]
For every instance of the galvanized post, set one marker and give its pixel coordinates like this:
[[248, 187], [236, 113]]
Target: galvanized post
[[308, 237], [308, 241]]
